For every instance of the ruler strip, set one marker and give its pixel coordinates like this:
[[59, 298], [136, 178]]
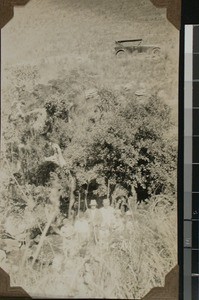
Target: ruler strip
[[195, 175], [191, 164], [188, 131]]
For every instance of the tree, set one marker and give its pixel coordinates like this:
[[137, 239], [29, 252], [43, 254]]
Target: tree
[[104, 142]]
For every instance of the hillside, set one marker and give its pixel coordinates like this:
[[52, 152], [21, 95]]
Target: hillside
[[46, 28], [54, 36], [82, 125]]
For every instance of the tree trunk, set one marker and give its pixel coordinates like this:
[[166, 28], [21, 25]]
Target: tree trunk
[[72, 196], [79, 200], [50, 220], [86, 194], [133, 199], [108, 190]]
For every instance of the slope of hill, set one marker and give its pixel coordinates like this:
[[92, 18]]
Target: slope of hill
[[64, 91], [47, 28]]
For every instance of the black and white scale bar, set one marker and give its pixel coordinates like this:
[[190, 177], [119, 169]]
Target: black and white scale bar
[[191, 164], [195, 171], [187, 179]]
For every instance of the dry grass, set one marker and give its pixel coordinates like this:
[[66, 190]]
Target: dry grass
[[135, 262]]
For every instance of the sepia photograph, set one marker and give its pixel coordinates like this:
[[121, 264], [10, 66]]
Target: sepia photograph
[[89, 141]]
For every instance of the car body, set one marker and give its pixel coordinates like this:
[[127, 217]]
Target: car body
[[135, 46]]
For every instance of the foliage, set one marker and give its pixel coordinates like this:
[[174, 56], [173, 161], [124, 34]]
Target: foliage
[[119, 272], [122, 142], [110, 139]]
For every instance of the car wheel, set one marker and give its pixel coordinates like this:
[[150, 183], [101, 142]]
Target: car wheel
[[156, 52], [120, 53]]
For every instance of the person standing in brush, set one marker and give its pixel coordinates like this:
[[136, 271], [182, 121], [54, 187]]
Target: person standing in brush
[[108, 220], [108, 214], [81, 227], [94, 219]]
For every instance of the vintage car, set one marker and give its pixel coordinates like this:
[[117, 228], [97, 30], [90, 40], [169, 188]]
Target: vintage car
[[135, 46]]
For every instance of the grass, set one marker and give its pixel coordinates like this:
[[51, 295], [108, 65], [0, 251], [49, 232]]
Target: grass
[[136, 261]]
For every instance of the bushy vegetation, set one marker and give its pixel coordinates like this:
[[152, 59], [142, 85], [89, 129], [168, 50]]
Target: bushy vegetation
[[137, 260], [90, 133]]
